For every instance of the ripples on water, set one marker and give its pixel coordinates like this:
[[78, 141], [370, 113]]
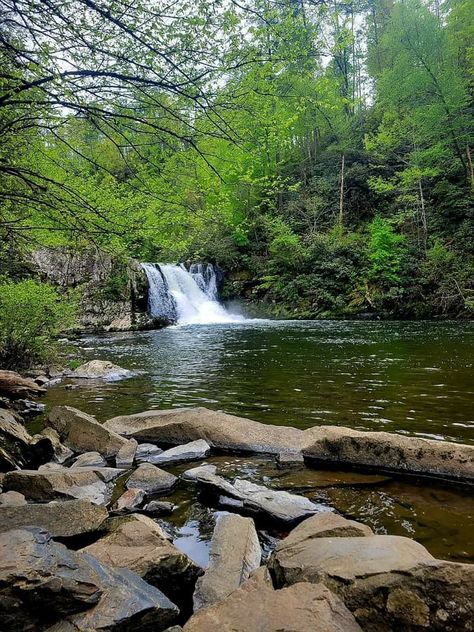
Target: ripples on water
[[413, 378]]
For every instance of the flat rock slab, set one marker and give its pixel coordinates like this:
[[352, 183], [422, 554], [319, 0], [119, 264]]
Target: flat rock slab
[[14, 386], [151, 479], [192, 451], [89, 459], [158, 508], [257, 607], [290, 461], [139, 544], [83, 483], [147, 452], [324, 525], [218, 429], [279, 506], [82, 433], [129, 501], [235, 553], [379, 451], [63, 518], [101, 370]]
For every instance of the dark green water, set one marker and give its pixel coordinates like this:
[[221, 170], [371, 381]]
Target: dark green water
[[413, 378]]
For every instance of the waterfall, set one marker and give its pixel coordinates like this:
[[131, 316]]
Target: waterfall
[[185, 296]]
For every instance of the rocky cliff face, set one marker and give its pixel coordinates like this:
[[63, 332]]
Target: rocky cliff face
[[113, 293]]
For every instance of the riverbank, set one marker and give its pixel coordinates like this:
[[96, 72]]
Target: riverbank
[[109, 493]]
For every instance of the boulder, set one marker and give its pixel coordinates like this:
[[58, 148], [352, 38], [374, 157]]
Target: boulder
[[380, 451], [324, 525], [61, 452], [126, 455], [18, 448], [257, 607], [146, 452], [192, 451], [14, 386], [59, 518], [129, 501], [151, 479], [139, 544], [389, 583], [89, 459], [101, 370], [222, 431], [235, 553], [158, 508], [95, 484], [83, 433], [280, 506], [387, 452], [11, 499]]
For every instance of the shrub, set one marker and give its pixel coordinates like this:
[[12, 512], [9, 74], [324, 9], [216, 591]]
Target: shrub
[[31, 315]]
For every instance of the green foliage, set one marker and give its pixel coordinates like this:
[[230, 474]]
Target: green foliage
[[31, 315], [384, 253]]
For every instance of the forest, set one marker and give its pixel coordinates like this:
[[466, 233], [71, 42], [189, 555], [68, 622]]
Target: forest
[[319, 152]]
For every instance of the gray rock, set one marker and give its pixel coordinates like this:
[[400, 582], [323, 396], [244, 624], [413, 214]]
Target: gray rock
[[83, 433], [290, 461], [139, 544], [192, 451], [102, 370], [147, 452], [389, 583], [11, 499], [235, 553], [158, 508], [17, 447], [62, 518], [280, 506], [257, 607], [324, 525], [61, 452], [129, 501], [89, 459], [83, 483], [126, 454], [151, 479]]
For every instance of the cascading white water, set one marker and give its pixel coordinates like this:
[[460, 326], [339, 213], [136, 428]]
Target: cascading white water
[[183, 296]]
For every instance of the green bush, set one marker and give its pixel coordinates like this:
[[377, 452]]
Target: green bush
[[31, 315]]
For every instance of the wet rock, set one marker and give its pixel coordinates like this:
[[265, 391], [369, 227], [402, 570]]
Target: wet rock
[[389, 583], [380, 451], [235, 553], [218, 429], [89, 459], [17, 447], [27, 407], [147, 452], [324, 525], [388, 452], [102, 370], [63, 519], [41, 380], [157, 508], [279, 506], [14, 386], [129, 501], [83, 433], [192, 451], [126, 455], [61, 452], [139, 544], [151, 479], [11, 499], [41, 581], [83, 483], [290, 461], [256, 606]]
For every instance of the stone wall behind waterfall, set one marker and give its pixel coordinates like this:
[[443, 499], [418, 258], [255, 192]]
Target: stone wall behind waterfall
[[113, 293]]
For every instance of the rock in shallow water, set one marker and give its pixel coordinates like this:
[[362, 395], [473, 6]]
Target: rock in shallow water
[[151, 479], [192, 451], [324, 525], [147, 452], [64, 518], [101, 370], [126, 455], [257, 607], [235, 553], [129, 501]]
